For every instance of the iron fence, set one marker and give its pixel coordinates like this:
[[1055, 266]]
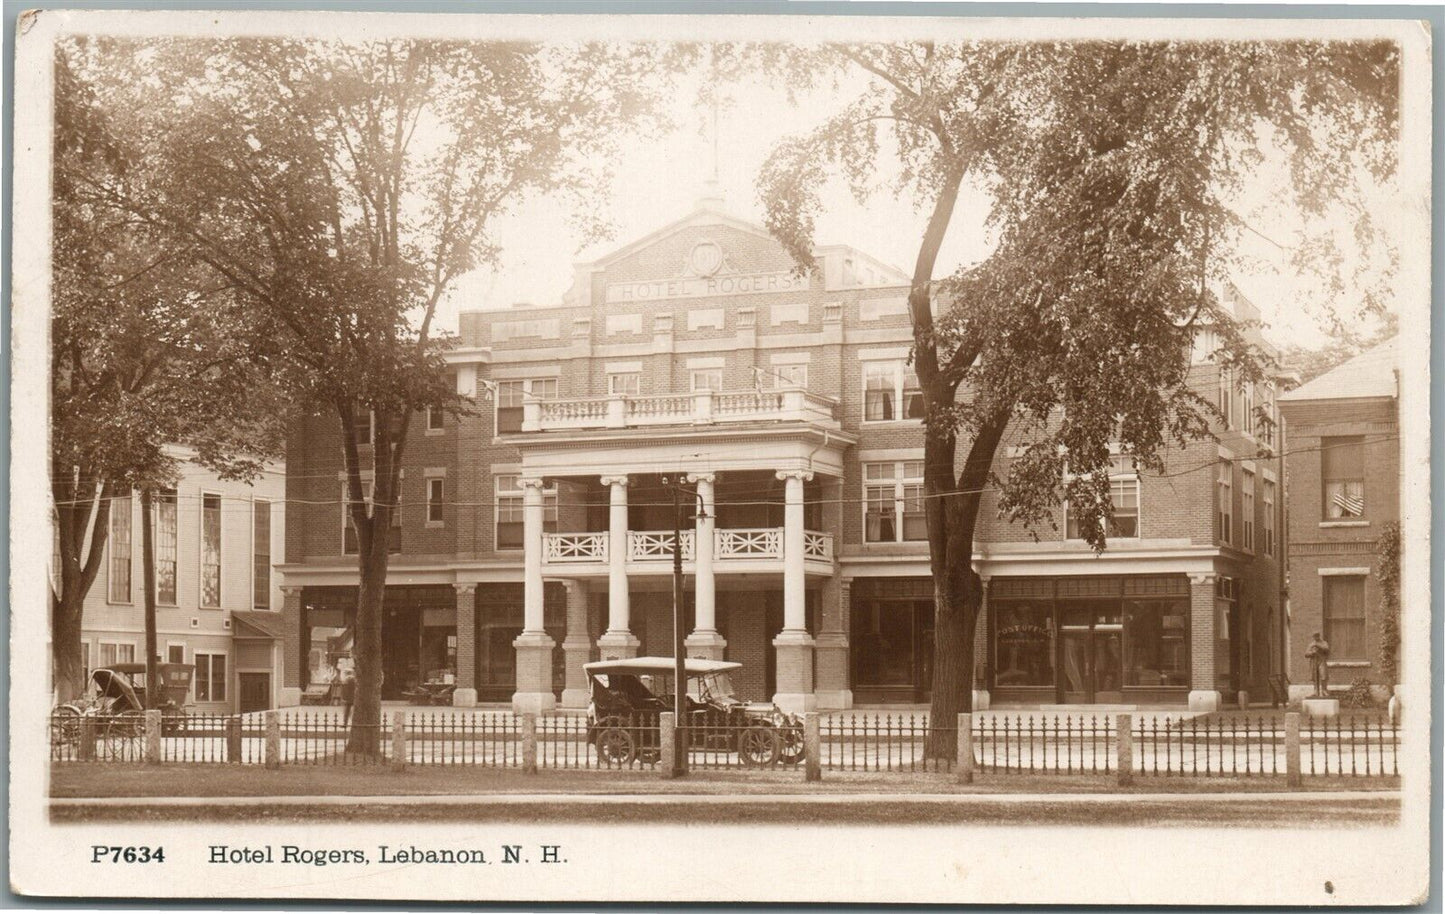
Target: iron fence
[[905, 742], [1056, 744], [320, 738], [618, 742], [484, 740], [1352, 746], [719, 741]]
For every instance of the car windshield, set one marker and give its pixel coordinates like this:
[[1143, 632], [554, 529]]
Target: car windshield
[[716, 687]]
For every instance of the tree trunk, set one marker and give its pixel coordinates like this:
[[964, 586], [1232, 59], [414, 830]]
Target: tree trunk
[[148, 577], [365, 736], [83, 516], [65, 623]]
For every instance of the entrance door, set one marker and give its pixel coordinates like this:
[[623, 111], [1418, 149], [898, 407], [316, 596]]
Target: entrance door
[[1091, 654], [255, 692]]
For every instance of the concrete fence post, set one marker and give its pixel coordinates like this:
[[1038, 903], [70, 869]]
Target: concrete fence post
[[273, 739], [964, 761], [812, 747], [529, 743], [1292, 774], [667, 745], [153, 737], [398, 739], [1124, 748], [88, 732], [233, 739]]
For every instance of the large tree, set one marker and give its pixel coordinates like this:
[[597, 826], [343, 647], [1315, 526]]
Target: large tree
[[1113, 172], [149, 349], [342, 187]]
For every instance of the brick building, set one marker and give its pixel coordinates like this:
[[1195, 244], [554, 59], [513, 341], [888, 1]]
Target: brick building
[[538, 535], [1344, 476], [218, 600]]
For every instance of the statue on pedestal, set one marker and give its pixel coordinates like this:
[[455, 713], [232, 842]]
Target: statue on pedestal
[[1318, 654]]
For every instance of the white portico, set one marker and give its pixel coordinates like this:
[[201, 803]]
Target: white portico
[[748, 514]]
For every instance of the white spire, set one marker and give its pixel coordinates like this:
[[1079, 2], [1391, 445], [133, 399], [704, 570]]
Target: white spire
[[712, 195]]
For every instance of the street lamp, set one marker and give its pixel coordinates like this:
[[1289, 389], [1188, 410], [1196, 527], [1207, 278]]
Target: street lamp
[[679, 673]]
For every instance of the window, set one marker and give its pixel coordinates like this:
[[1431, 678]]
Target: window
[[1269, 517], [261, 554], [1344, 613], [175, 653], [510, 513], [85, 664], [1246, 507], [113, 652], [1156, 643], [167, 542], [435, 419], [1226, 395], [1246, 413], [211, 550], [1024, 644], [120, 555], [349, 543], [626, 384], [1226, 501], [1123, 493], [707, 379], [210, 677], [890, 391], [892, 491], [1343, 472], [511, 395], [790, 375], [1269, 422], [434, 501]]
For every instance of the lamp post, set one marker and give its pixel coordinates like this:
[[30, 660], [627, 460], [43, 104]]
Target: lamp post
[[679, 672]]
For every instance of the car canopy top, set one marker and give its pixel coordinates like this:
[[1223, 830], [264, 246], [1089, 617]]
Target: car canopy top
[[661, 666]]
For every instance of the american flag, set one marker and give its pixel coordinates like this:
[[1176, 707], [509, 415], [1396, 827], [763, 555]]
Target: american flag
[[1350, 505]]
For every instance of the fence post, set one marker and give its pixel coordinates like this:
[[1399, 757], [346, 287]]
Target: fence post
[[812, 747], [529, 743], [964, 761], [233, 739], [153, 737], [1291, 750], [87, 737], [1124, 748], [273, 739], [398, 740], [667, 745]]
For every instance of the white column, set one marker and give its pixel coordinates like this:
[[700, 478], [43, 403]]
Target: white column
[[794, 602], [705, 641], [532, 555], [618, 641]]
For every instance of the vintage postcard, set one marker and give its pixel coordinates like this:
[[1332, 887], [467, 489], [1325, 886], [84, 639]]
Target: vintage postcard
[[720, 458]]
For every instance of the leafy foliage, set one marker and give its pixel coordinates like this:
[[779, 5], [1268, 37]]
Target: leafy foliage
[[1360, 694], [1388, 549]]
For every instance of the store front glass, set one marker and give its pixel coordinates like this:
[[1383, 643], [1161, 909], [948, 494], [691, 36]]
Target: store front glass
[[891, 640]]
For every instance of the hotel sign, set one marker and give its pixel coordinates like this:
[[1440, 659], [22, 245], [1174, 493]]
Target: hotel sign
[[706, 286]]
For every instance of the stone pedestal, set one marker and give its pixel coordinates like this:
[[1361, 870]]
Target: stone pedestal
[[1321, 707], [1393, 708], [464, 698], [534, 673], [980, 699], [1204, 700], [709, 645], [830, 659], [618, 645], [578, 650], [289, 697], [1300, 691], [795, 672]]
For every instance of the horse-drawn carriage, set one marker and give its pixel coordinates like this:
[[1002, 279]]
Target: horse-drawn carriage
[[119, 700]]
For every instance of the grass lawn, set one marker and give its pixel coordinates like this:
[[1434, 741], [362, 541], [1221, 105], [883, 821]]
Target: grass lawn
[[83, 779]]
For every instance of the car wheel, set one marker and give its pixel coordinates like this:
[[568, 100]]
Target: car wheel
[[791, 750], [615, 747], [758, 746], [65, 725]]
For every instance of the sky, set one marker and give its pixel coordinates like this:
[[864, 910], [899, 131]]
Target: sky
[[660, 180]]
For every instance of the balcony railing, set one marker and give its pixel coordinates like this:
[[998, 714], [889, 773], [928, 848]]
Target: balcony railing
[[656, 546], [703, 407]]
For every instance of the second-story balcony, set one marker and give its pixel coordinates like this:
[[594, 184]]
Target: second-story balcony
[[748, 549], [702, 407]]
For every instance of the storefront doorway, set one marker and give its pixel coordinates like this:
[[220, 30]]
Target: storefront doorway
[[891, 640], [1091, 653]]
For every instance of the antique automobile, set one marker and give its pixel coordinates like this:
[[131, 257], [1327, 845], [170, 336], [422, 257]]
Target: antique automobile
[[120, 698], [628, 697]]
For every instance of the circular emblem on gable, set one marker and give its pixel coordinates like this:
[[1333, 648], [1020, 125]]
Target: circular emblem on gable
[[706, 258]]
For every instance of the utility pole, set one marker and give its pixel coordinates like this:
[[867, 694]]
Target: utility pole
[[148, 578], [679, 674]]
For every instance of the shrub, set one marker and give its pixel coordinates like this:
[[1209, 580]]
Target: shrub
[[1359, 695]]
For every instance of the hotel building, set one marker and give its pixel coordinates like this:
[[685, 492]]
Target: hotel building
[[537, 534]]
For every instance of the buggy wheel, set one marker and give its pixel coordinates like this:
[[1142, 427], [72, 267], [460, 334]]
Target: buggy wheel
[[65, 726], [758, 746], [615, 747], [791, 750]]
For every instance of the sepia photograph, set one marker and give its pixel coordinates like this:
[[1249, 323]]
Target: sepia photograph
[[721, 458]]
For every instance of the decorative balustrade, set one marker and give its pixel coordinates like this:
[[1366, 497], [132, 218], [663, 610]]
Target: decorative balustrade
[[575, 547], [765, 543], [702, 407], [817, 546], [656, 546]]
